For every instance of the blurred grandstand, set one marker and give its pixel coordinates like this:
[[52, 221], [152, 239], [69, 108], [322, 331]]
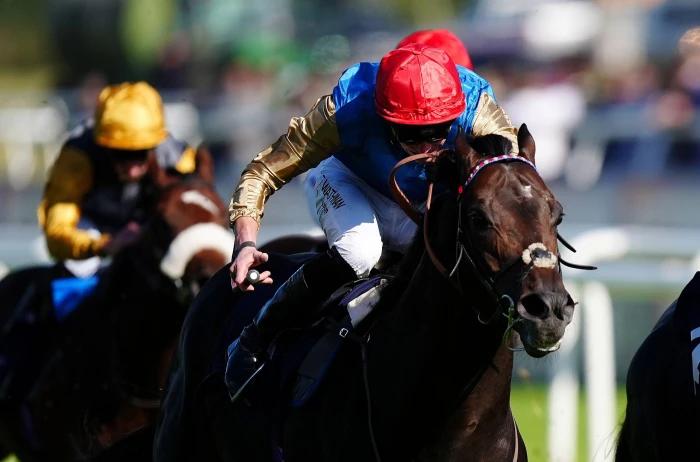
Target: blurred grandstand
[[613, 106]]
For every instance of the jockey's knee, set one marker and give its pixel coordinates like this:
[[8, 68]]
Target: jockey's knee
[[361, 258], [329, 269]]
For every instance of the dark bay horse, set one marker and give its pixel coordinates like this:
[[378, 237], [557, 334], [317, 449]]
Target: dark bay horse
[[662, 421], [428, 378], [101, 379]]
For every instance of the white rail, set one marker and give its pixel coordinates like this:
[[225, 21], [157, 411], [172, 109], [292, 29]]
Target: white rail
[[671, 258]]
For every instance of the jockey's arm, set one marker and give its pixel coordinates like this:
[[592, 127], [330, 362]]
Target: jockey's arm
[[308, 141], [70, 179], [187, 162], [491, 119]]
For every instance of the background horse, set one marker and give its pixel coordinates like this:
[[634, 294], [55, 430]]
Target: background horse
[[103, 378], [662, 421], [432, 381]]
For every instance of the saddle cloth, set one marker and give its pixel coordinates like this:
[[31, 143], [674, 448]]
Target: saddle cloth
[[352, 308], [300, 357], [67, 293]]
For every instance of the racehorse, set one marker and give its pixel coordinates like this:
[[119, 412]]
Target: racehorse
[[102, 377], [662, 421], [426, 377]]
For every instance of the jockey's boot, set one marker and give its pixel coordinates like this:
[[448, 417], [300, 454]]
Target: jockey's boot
[[295, 304]]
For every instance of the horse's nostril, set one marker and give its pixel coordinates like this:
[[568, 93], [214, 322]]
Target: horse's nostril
[[535, 305]]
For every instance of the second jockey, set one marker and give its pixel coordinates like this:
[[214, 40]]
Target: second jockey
[[414, 101], [443, 39], [93, 198]]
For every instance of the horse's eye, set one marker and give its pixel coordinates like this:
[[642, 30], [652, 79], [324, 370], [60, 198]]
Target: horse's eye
[[559, 219], [478, 220]]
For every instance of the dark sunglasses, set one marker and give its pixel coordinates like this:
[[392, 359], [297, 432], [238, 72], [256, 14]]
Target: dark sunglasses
[[122, 155], [414, 134]]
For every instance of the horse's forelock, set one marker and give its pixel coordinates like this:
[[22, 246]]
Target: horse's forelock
[[491, 145], [469, 151]]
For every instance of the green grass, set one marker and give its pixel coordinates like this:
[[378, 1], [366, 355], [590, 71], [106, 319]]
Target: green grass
[[529, 403]]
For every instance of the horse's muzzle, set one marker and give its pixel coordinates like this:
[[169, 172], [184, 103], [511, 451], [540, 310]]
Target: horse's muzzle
[[544, 317]]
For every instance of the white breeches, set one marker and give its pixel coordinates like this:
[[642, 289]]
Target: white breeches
[[357, 220]]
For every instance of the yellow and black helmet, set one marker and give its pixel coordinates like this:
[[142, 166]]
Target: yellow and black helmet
[[129, 116]]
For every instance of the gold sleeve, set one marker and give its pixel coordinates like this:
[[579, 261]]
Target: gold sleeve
[[308, 141], [187, 163], [59, 211], [491, 119]]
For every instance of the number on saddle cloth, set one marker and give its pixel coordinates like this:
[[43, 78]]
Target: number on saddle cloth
[[352, 308]]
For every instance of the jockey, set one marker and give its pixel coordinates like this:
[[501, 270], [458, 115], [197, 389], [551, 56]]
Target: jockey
[[443, 39], [414, 101], [93, 195]]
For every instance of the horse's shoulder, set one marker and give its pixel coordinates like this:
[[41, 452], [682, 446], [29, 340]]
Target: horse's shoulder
[[210, 307], [669, 346]]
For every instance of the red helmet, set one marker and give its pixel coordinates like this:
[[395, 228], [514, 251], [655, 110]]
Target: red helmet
[[418, 85], [443, 39]]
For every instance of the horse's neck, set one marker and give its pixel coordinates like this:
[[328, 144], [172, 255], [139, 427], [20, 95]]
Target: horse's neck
[[434, 346], [482, 427]]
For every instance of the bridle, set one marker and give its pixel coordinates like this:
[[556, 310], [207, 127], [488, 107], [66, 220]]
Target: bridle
[[503, 303]]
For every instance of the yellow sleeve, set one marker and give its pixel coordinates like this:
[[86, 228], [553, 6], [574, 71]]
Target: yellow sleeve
[[491, 119], [308, 141], [59, 211], [187, 164]]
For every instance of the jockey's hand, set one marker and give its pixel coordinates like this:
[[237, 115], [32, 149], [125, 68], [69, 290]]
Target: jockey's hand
[[245, 259], [123, 238]]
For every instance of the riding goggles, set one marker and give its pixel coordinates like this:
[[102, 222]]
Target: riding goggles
[[124, 155], [415, 134]]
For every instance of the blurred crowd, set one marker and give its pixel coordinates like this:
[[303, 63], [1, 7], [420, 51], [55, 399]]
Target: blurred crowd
[[601, 102]]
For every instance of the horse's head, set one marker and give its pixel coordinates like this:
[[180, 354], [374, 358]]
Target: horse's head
[[508, 228], [191, 222]]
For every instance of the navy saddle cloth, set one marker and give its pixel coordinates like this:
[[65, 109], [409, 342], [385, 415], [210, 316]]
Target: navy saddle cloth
[[302, 357]]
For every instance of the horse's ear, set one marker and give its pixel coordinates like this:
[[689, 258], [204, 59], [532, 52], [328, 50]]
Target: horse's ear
[[526, 143], [205, 164], [159, 177], [467, 155]]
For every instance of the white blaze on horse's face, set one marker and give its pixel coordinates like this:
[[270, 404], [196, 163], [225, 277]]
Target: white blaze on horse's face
[[527, 191], [199, 199]]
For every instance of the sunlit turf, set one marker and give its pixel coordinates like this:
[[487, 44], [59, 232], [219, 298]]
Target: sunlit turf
[[529, 404]]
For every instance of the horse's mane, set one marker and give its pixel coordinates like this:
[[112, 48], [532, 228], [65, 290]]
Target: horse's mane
[[491, 145]]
